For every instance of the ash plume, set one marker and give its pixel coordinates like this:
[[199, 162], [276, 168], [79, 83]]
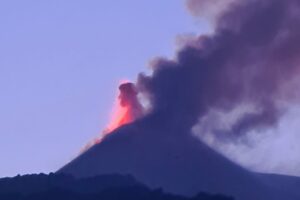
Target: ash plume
[[251, 56], [208, 8]]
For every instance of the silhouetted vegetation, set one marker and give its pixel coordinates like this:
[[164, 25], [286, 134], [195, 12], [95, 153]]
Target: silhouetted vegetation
[[65, 187]]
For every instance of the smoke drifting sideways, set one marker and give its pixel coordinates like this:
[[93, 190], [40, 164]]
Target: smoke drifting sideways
[[251, 58], [209, 9], [247, 70]]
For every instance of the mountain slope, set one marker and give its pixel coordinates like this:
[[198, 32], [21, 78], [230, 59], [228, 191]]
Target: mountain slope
[[178, 163]]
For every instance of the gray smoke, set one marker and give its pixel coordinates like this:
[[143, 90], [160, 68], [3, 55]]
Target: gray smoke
[[251, 56]]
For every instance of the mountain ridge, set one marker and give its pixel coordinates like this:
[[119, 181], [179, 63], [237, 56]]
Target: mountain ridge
[[178, 163]]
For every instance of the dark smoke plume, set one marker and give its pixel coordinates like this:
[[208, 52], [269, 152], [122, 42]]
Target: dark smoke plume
[[250, 58]]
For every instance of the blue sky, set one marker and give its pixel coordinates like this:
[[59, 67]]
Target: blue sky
[[60, 64]]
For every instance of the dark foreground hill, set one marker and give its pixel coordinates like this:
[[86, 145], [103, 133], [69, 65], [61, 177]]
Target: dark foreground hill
[[66, 187]]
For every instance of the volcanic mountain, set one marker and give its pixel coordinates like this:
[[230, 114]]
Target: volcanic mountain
[[177, 162], [251, 58]]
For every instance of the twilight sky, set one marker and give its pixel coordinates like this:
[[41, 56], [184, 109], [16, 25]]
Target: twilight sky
[[62, 61], [60, 64]]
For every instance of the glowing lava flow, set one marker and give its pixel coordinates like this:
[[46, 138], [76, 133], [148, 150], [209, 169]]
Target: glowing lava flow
[[121, 116], [126, 110]]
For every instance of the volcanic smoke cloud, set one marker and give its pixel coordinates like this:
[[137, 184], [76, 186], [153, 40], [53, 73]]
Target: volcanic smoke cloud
[[208, 8], [252, 58]]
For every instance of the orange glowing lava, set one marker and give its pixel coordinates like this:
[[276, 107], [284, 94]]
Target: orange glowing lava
[[121, 116], [127, 108]]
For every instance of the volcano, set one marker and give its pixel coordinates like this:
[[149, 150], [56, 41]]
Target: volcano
[[250, 58], [178, 163]]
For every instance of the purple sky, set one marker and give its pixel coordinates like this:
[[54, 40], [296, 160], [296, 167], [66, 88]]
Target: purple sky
[[60, 65]]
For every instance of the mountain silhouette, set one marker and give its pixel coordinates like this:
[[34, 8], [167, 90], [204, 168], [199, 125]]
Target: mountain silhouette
[[177, 162]]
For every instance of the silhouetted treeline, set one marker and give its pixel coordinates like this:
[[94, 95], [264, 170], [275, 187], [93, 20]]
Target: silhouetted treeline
[[65, 187]]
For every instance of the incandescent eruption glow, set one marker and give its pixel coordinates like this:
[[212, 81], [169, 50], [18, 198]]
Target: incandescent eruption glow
[[127, 108], [121, 115]]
